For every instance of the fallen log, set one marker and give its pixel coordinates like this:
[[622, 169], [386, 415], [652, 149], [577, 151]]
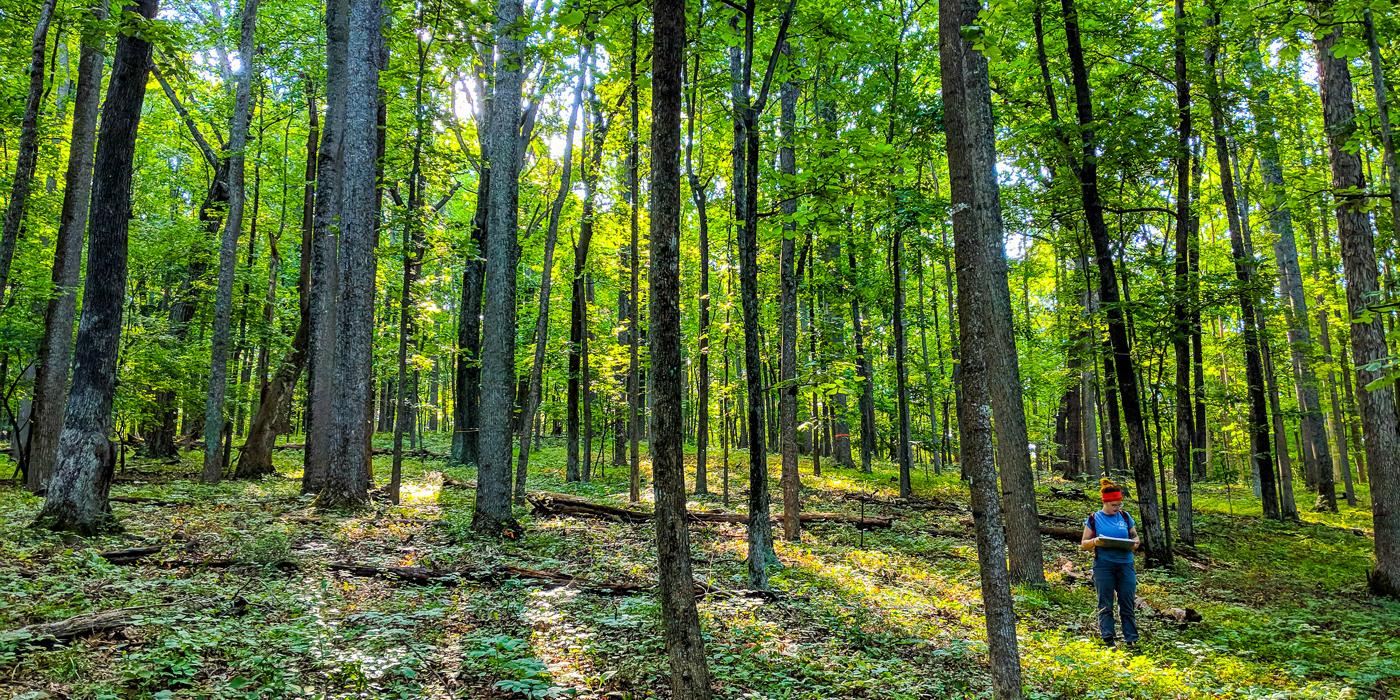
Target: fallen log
[[131, 554], [146, 501], [52, 633], [561, 504]]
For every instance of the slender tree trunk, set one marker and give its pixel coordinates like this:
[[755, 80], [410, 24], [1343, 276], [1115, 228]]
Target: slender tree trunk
[[56, 346], [976, 227], [1368, 337], [699, 193], [28, 158], [1181, 335], [634, 255], [1126, 372], [532, 398], [867, 381], [1316, 453], [690, 676], [787, 393], [493, 512], [228, 250], [746, 141], [255, 459], [77, 494], [1260, 454], [1288, 507], [578, 304], [413, 250]]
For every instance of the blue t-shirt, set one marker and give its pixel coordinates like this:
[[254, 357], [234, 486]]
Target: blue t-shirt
[[1112, 526]]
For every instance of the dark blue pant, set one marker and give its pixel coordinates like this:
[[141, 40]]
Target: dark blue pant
[[1112, 578]]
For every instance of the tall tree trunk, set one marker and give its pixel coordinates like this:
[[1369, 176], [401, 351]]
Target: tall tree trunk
[[634, 256], [1181, 313], [977, 228], [324, 274], [690, 676], [77, 494], [1123, 367], [228, 250], [255, 459], [1316, 453], [56, 346], [578, 302], [699, 193], [1260, 454], [413, 250], [787, 275], [1368, 337], [493, 514], [28, 158], [532, 398], [347, 473]]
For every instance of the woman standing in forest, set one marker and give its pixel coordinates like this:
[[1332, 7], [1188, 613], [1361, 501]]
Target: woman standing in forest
[[1113, 566]]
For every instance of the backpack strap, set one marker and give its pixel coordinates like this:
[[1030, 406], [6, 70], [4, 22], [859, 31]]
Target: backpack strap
[[1093, 526]]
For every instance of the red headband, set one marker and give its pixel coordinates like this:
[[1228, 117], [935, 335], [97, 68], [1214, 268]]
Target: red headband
[[1112, 496]]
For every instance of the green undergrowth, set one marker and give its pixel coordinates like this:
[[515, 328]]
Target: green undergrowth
[[882, 614]]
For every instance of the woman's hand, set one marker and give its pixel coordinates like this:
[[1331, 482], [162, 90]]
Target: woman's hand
[[1089, 544]]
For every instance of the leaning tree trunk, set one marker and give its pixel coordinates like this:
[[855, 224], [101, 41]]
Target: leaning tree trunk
[[1317, 455], [77, 494], [532, 397], [28, 158], [255, 459], [493, 516], [1260, 453], [1122, 356], [976, 227], [56, 346], [685, 647], [1368, 344], [228, 252]]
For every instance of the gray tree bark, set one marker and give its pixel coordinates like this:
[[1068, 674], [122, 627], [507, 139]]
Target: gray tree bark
[[493, 516], [347, 469], [28, 158], [324, 274], [56, 346], [228, 251], [1368, 338], [976, 210], [77, 493]]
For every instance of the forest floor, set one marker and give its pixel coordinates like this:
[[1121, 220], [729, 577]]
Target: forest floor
[[243, 600]]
